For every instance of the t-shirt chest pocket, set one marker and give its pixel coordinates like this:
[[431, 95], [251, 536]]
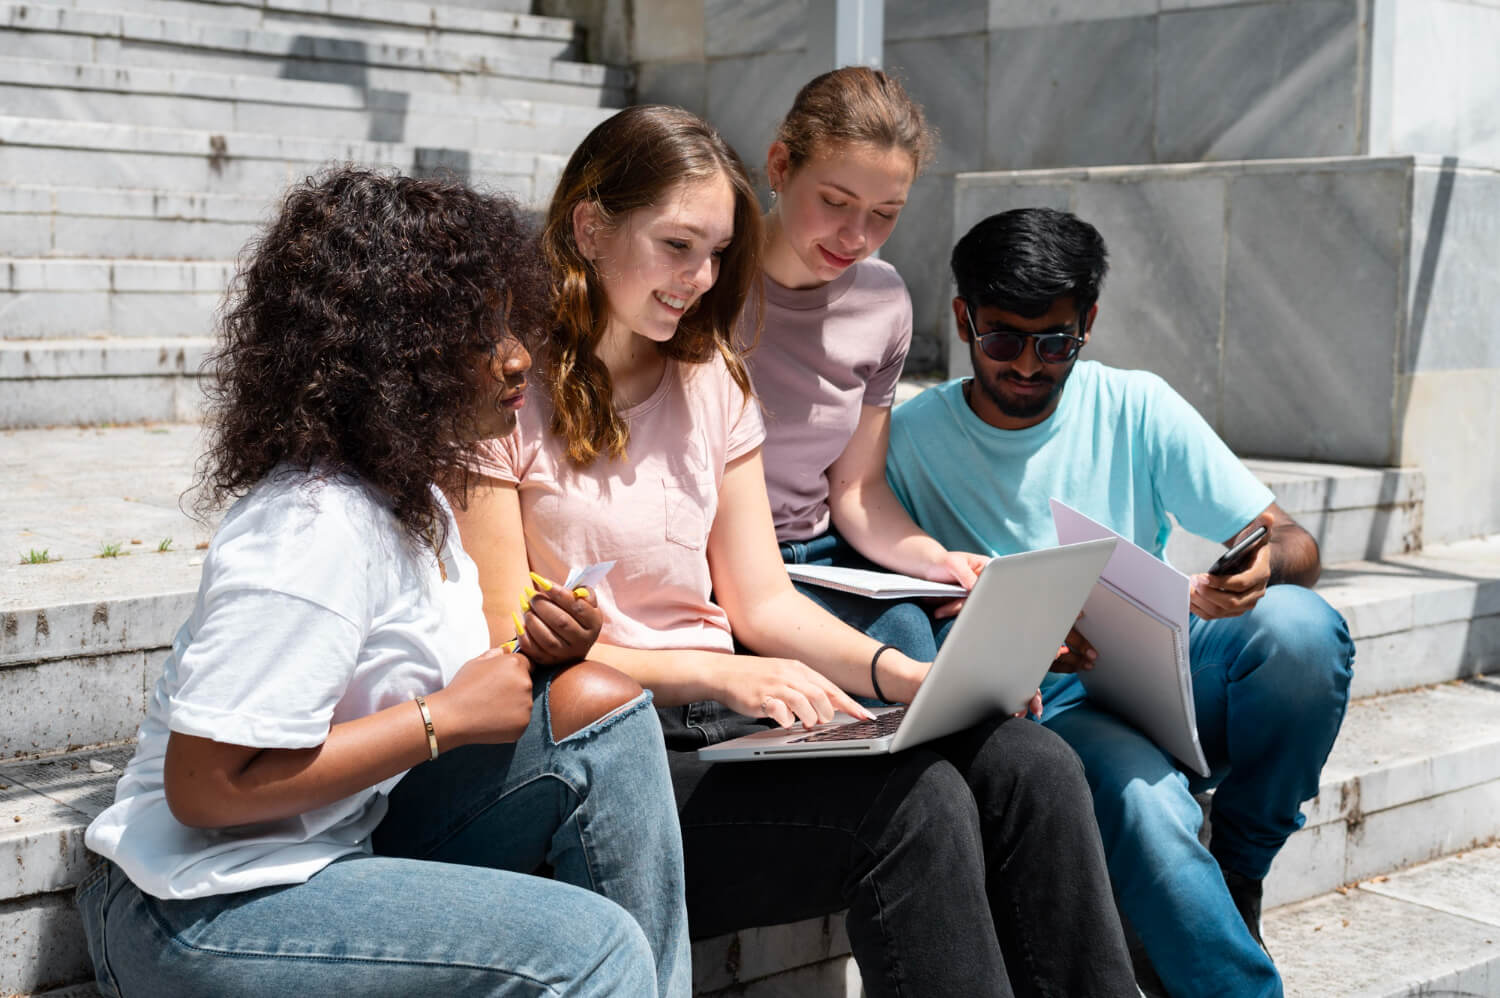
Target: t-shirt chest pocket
[[688, 508]]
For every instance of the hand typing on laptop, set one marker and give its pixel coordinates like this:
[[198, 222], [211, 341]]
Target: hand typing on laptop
[[782, 689]]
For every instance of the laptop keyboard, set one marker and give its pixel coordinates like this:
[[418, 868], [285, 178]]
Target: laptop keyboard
[[876, 727]]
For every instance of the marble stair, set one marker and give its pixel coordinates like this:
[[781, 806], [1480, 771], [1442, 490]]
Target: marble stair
[[144, 140], [1414, 778]]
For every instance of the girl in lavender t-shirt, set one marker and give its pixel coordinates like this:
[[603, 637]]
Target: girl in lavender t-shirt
[[640, 443], [836, 328]]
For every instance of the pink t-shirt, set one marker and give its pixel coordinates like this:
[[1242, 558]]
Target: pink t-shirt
[[824, 354], [649, 512]]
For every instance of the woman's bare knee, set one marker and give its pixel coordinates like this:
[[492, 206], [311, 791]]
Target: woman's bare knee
[[581, 694]]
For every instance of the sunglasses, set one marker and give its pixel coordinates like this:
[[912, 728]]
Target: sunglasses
[[1005, 345]]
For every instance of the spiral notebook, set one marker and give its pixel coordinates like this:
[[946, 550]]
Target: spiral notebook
[[1137, 620]]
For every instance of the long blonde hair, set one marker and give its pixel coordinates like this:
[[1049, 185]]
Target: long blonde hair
[[630, 161]]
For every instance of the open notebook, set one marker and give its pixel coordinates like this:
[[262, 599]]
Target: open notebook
[[1137, 620], [868, 582]]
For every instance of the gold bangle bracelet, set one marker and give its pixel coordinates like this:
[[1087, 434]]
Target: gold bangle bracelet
[[427, 723]]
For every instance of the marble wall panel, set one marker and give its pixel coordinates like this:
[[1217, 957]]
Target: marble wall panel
[[1445, 80], [668, 30], [744, 27], [919, 249], [906, 19], [1311, 300], [947, 76], [682, 84], [1447, 421], [1454, 299], [748, 96], [1160, 308], [1258, 81], [1076, 94], [1030, 13]]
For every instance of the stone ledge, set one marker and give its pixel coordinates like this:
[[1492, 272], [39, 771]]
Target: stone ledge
[[330, 48], [229, 97], [1430, 930]]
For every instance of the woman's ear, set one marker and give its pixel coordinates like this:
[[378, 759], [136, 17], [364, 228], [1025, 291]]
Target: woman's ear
[[586, 229]]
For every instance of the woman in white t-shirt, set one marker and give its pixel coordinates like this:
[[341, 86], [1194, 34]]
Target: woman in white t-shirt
[[340, 786], [641, 444]]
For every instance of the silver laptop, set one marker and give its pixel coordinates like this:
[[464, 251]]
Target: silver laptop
[[993, 660]]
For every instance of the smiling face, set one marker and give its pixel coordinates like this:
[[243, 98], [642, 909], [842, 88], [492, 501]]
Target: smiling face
[[657, 261], [835, 209]]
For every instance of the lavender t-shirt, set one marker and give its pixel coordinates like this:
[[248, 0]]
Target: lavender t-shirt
[[824, 354]]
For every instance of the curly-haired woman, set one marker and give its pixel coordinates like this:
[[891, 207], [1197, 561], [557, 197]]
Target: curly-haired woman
[[970, 865], [340, 787]]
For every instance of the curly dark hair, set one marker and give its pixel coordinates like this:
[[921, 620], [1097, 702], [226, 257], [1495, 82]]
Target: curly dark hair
[[353, 335]]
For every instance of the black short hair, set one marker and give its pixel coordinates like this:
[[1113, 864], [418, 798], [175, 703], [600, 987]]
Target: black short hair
[[1023, 260]]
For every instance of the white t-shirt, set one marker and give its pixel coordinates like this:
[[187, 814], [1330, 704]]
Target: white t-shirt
[[313, 609]]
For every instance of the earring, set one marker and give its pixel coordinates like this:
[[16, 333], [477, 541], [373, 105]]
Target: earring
[[773, 199]]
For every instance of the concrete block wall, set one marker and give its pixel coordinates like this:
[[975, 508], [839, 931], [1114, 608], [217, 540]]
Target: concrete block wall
[[1018, 85], [1338, 309]]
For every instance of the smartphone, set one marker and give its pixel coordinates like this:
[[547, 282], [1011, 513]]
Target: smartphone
[[1229, 561]]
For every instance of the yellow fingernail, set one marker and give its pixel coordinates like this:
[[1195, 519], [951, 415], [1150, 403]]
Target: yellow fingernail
[[509, 647], [582, 592], [526, 604], [530, 592], [520, 624], [541, 583]]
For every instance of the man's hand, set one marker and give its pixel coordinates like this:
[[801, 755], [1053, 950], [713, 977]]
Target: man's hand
[[1216, 596], [1075, 654]]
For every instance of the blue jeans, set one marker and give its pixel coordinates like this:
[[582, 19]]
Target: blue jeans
[[450, 903], [905, 624], [1270, 689]]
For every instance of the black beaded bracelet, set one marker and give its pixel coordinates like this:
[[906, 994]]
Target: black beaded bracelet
[[874, 682]]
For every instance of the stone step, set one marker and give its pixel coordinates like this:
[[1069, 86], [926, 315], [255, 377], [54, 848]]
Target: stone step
[[1430, 930], [1413, 776], [98, 154], [1353, 513], [433, 25], [104, 380], [82, 35], [82, 222], [1420, 618], [219, 102], [46, 299]]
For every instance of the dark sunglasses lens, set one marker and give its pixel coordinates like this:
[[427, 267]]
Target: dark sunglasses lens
[[1002, 346], [1055, 349]]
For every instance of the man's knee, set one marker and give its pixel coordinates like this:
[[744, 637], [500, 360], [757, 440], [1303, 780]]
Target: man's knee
[[1303, 630], [582, 694]]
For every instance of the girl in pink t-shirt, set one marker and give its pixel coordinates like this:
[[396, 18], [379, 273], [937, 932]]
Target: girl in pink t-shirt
[[640, 443]]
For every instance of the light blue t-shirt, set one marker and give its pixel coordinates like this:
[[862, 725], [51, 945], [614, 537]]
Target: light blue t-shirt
[[1121, 447]]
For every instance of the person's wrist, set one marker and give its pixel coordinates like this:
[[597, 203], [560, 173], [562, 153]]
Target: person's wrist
[[900, 676], [448, 724]]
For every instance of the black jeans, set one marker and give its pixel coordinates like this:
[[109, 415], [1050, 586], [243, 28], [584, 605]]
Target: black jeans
[[970, 866]]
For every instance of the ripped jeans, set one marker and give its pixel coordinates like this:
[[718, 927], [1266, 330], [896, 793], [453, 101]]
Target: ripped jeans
[[450, 902]]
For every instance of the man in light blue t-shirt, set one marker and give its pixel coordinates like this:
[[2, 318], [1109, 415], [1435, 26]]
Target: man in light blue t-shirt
[[975, 461]]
